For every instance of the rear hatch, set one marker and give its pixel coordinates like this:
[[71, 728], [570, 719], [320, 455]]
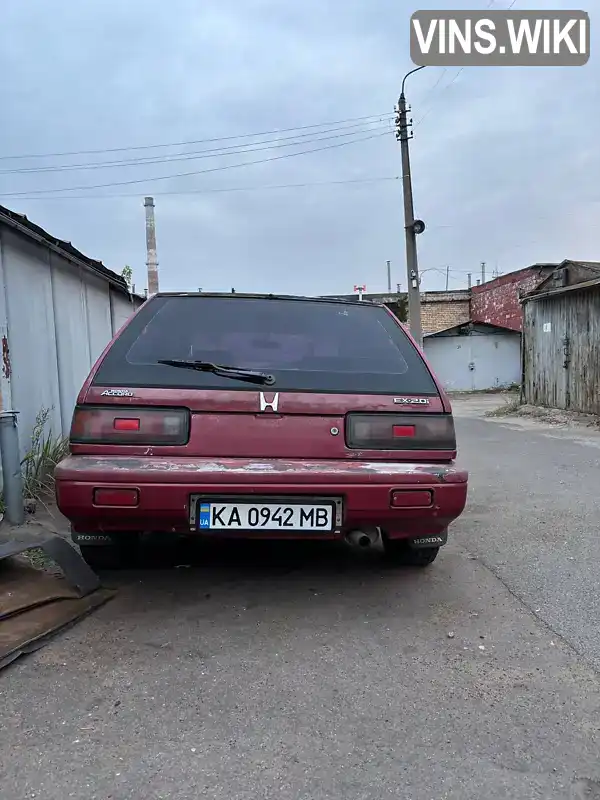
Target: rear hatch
[[331, 380]]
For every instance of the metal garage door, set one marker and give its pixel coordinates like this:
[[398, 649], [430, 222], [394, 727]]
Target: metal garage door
[[475, 362]]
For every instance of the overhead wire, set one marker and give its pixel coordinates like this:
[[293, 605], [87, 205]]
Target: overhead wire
[[460, 71], [267, 144], [220, 168], [220, 190], [231, 137]]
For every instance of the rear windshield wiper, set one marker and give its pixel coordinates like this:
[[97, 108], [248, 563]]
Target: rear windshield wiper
[[222, 370]]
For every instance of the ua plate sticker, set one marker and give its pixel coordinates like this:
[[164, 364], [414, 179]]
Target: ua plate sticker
[[205, 515]]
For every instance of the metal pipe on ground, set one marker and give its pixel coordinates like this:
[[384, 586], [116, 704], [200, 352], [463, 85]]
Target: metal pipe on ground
[[12, 478]]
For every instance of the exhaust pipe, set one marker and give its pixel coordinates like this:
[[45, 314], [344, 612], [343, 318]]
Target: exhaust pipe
[[363, 539]]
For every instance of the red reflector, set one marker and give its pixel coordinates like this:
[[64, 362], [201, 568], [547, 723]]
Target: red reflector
[[412, 499], [403, 430], [124, 424], [116, 497]]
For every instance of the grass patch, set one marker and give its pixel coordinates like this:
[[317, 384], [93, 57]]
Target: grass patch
[[45, 452], [37, 467]]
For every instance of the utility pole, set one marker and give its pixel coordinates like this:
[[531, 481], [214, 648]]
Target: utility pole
[[389, 274], [447, 277], [151, 258], [411, 226], [483, 272]]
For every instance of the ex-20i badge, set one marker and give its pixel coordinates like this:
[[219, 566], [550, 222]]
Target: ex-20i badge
[[411, 401]]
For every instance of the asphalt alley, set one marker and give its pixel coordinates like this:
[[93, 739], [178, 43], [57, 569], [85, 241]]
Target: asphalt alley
[[305, 673], [534, 515]]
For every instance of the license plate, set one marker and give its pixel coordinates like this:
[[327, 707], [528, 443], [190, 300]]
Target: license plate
[[215, 516]]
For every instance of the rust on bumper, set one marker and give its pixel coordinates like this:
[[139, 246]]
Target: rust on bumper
[[165, 487], [150, 468]]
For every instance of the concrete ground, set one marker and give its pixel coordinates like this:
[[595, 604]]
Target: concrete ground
[[304, 673]]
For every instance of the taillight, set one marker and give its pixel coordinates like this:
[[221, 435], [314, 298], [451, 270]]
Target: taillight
[[119, 425], [400, 431], [127, 424]]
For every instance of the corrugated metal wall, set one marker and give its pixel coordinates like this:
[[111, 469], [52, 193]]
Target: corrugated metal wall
[[562, 351], [57, 318]]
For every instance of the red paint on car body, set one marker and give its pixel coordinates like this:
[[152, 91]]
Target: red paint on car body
[[299, 450]]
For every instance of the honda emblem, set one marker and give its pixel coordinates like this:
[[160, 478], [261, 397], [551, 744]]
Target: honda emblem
[[272, 404]]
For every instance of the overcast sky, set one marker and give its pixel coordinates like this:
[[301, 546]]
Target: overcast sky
[[505, 162]]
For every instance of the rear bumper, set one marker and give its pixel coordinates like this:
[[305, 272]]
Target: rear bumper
[[405, 500]]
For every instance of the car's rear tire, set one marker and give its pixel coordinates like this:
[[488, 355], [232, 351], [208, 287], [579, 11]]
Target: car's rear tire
[[122, 553], [399, 553]]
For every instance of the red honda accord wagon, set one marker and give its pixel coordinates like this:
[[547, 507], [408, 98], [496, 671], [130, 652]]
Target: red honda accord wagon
[[232, 415]]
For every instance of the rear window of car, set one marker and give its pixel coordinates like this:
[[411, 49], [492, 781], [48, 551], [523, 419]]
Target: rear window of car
[[307, 345]]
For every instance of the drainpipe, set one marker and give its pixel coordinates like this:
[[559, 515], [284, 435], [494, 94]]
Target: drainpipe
[[10, 455], [12, 478]]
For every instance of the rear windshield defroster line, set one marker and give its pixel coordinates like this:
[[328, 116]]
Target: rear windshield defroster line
[[307, 345]]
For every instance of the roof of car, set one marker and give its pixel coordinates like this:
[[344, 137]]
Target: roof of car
[[297, 298]]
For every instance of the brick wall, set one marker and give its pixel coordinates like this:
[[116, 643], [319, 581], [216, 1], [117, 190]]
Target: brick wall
[[441, 310], [497, 302]]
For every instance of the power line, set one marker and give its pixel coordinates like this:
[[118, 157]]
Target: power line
[[448, 85], [269, 144], [430, 109], [218, 190], [373, 117], [437, 83], [195, 172]]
